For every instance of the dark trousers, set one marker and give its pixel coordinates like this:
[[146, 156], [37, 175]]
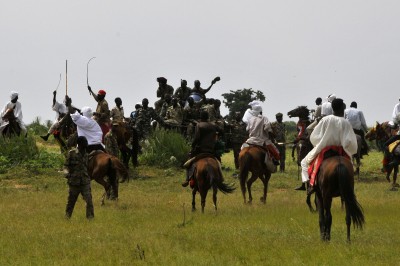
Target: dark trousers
[[282, 153], [94, 147], [74, 192]]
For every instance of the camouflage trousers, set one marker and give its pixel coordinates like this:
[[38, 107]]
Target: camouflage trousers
[[282, 153], [74, 192]]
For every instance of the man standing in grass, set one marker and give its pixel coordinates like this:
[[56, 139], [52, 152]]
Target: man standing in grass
[[78, 178]]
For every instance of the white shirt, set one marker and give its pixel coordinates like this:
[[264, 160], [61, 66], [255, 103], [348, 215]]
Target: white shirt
[[332, 131], [396, 112], [326, 109], [259, 127], [356, 118], [88, 128]]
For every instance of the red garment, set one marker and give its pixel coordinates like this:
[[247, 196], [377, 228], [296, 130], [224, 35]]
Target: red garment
[[316, 163], [301, 128], [104, 128]]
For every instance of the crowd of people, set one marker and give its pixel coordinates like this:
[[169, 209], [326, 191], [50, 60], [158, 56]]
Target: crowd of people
[[199, 118]]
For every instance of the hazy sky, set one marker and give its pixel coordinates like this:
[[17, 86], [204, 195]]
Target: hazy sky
[[293, 51]]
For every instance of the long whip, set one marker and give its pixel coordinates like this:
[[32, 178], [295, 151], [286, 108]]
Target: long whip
[[87, 72], [58, 83], [66, 77]]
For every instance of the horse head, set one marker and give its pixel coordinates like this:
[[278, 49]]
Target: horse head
[[9, 115], [301, 112]]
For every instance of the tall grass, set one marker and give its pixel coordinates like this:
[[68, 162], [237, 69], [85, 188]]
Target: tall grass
[[165, 148]]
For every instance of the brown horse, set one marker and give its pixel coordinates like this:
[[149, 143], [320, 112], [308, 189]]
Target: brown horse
[[251, 159], [102, 164], [13, 127], [207, 174], [336, 178], [381, 133], [125, 134]]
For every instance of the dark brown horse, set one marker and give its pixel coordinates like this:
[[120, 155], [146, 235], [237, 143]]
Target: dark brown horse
[[251, 159], [13, 127], [381, 133], [102, 164], [336, 178], [208, 175]]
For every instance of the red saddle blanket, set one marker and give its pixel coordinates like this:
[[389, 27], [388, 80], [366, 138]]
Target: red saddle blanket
[[316, 163]]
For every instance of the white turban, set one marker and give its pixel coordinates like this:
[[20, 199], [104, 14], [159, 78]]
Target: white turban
[[87, 111], [13, 95], [331, 97], [256, 109]]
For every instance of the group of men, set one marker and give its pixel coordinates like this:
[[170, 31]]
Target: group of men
[[335, 126]]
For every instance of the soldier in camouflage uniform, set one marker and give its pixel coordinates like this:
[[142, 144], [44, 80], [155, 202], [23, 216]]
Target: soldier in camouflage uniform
[[208, 106], [190, 117], [143, 119], [102, 114], [163, 89], [110, 141], [182, 93], [174, 115], [238, 136], [78, 178], [167, 103], [279, 130]]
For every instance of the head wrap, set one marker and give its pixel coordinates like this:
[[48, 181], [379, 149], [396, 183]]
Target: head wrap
[[162, 80], [331, 97], [256, 108], [101, 92], [13, 95], [279, 115], [87, 112]]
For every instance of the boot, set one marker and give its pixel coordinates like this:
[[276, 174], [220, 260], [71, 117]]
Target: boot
[[302, 187], [310, 189], [186, 182], [45, 137]]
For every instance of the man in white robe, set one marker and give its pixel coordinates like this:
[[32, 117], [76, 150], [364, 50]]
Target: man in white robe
[[61, 110], [326, 107], [332, 130], [13, 104], [89, 128]]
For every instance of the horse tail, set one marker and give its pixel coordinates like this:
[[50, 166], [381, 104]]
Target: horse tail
[[347, 194], [218, 180], [119, 167]]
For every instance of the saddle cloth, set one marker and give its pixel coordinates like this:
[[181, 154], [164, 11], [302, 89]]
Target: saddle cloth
[[327, 152]]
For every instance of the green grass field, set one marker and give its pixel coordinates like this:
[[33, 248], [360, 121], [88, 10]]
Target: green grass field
[[152, 223]]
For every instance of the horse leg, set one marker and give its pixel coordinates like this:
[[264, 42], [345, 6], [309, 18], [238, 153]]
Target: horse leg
[[194, 199], [249, 183], [203, 195], [328, 218], [215, 190], [106, 188], [243, 188], [395, 172], [348, 223], [265, 180], [320, 208]]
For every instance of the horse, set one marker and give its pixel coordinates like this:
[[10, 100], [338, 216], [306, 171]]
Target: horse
[[251, 159], [208, 175], [125, 134], [102, 164], [12, 128], [381, 133], [65, 131], [336, 178]]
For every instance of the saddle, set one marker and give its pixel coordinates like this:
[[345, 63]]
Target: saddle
[[327, 152]]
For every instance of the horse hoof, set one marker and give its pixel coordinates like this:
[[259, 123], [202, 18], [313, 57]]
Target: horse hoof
[[396, 185], [263, 200], [249, 202], [394, 189]]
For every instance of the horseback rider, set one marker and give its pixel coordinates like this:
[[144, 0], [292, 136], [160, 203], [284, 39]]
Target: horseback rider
[[117, 113], [89, 128], [326, 107], [333, 130], [16, 106], [162, 91], [61, 110], [357, 121], [279, 130], [102, 114], [396, 115], [316, 116], [260, 131], [205, 139]]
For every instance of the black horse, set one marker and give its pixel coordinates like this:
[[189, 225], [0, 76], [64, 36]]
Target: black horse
[[12, 128], [336, 178]]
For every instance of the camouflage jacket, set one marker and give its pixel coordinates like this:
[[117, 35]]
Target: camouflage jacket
[[210, 109], [279, 130], [182, 93], [77, 166], [238, 132], [174, 115], [145, 116], [190, 114], [162, 91], [110, 141]]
